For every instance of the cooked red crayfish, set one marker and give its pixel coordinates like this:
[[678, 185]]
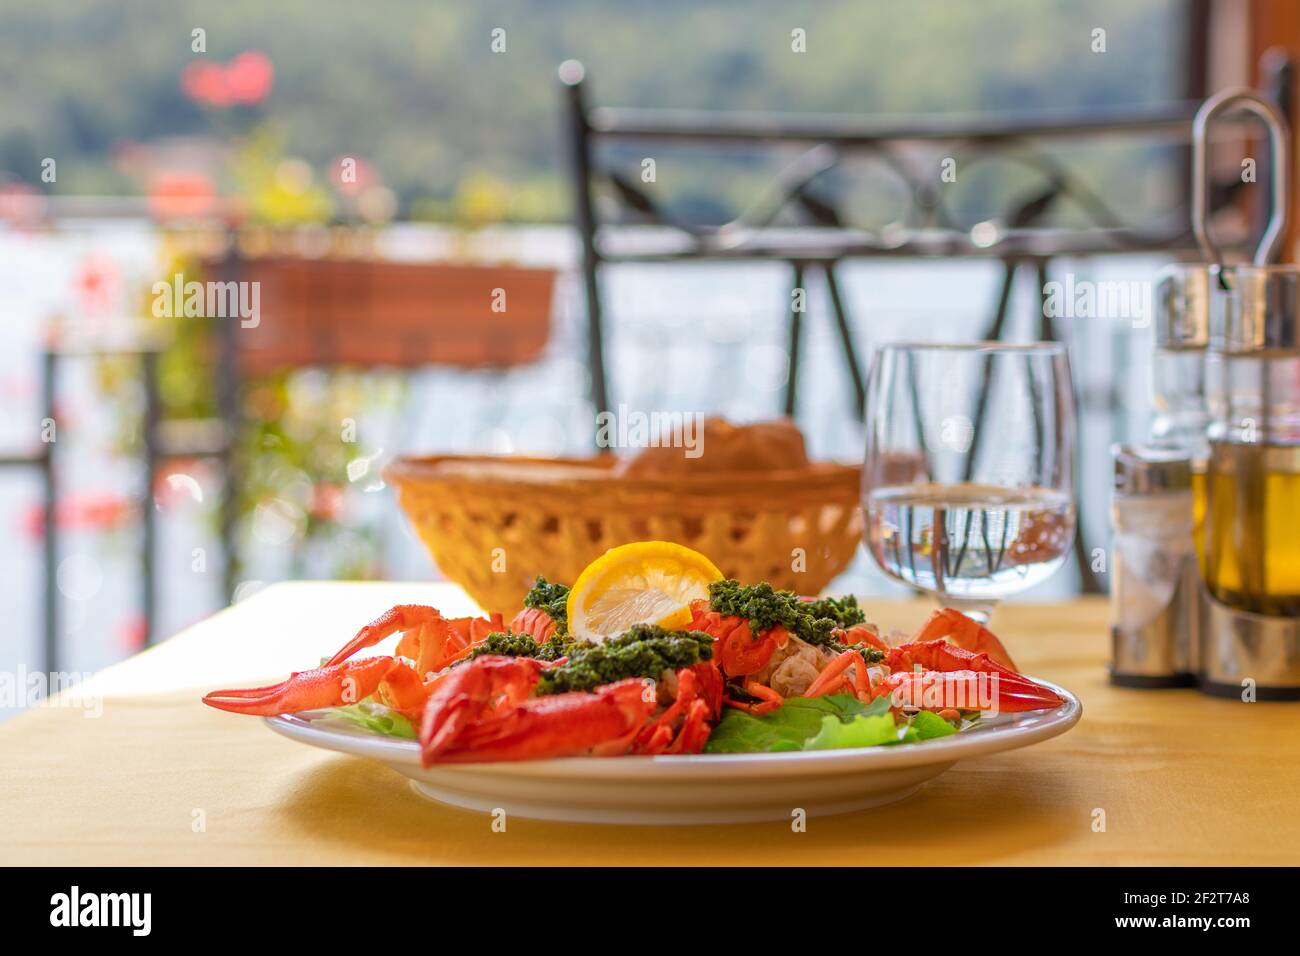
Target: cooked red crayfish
[[429, 639], [483, 710], [487, 709], [974, 672], [936, 675]]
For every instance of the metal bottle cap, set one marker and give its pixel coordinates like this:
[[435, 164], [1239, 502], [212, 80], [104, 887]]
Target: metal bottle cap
[[1259, 312], [1151, 469], [1183, 296]]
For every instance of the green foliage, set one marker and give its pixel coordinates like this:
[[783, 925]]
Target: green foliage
[[290, 454], [292, 458], [464, 133]]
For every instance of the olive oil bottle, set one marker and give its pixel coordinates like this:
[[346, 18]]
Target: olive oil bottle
[[1251, 550], [1200, 504]]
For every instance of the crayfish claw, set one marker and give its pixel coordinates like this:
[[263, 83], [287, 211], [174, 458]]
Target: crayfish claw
[[328, 686], [967, 633]]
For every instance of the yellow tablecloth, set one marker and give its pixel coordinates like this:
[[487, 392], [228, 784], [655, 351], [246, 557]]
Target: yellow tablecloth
[[158, 778]]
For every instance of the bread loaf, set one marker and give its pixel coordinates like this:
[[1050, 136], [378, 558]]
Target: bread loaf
[[723, 447]]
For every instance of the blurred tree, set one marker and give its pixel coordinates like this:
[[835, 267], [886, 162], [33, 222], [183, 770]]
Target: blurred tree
[[417, 89]]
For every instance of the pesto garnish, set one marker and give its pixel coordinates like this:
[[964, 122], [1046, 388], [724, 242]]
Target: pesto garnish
[[872, 655], [844, 610], [764, 607], [553, 599], [644, 651], [507, 644]]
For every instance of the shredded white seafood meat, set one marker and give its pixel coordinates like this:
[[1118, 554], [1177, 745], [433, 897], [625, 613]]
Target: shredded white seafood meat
[[794, 676], [667, 689], [793, 667]]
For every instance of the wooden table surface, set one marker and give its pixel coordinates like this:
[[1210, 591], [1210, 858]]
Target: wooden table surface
[[139, 772]]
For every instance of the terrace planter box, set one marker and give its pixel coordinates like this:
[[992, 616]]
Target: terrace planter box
[[377, 313]]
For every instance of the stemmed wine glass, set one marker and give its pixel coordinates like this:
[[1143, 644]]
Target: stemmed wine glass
[[968, 478]]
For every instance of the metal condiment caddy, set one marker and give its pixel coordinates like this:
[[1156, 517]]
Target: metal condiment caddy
[[1228, 401]]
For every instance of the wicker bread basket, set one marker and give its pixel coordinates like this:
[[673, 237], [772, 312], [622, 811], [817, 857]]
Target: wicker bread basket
[[554, 516]]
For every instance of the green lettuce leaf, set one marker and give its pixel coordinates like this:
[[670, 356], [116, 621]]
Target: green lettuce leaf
[[925, 725], [861, 731], [790, 727], [377, 718], [836, 722]]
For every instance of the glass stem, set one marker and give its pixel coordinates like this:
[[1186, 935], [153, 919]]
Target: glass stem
[[976, 610]]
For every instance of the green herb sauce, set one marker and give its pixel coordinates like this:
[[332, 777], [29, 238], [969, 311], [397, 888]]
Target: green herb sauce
[[553, 599], [507, 644], [844, 611], [764, 607], [644, 651]]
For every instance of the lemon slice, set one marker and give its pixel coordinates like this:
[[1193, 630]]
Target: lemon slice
[[648, 582]]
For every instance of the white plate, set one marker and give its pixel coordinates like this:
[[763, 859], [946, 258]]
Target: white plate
[[692, 789]]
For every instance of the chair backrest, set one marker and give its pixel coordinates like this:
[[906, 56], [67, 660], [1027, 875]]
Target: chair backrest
[[805, 148], [332, 311]]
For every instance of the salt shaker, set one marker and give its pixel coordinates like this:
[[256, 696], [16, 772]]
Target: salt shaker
[[1154, 589]]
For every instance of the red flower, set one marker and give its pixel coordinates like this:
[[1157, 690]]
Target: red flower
[[205, 83], [249, 77], [353, 175], [83, 511], [131, 633], [246, 79], [21, 204], [96, 284], [181, 196], [326, 501]]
